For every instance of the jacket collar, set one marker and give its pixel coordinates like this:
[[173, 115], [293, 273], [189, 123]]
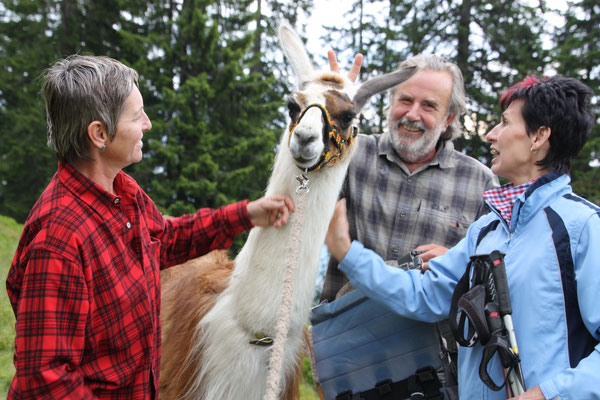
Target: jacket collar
[[537, 197]]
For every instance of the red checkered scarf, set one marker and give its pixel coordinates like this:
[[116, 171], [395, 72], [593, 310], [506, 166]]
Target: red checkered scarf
[[504, 197]]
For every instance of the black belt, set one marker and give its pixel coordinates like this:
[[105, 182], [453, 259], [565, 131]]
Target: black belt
[[424, 384]]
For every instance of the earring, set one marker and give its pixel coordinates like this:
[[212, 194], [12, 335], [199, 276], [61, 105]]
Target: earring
[[103, 147], [532, 149]]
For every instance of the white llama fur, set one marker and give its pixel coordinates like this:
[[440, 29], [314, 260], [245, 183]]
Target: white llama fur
[[235, 369], [231, 368]]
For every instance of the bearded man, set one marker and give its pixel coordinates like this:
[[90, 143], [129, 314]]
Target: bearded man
[[408, 188]]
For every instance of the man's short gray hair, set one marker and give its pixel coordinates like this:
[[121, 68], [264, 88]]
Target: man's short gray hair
[[81, 89], [457, 104]]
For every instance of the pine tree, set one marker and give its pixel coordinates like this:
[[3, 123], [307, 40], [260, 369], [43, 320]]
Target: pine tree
[[504, 46], [26, 164], [577, 54], [213, 141]]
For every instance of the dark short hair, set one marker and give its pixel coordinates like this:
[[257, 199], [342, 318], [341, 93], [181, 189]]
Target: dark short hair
[[561, 104], [81, 89]]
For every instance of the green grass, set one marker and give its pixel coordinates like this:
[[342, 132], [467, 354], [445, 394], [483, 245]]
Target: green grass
[[307, 387], [10, 231]]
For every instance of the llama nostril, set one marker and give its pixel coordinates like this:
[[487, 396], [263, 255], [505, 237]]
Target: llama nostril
[[306, 140], [305, 137]]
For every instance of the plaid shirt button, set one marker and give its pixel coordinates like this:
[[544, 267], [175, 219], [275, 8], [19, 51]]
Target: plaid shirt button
[[128, 225], [117, 200]]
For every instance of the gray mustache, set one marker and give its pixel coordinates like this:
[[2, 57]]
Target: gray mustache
[[410, 124]]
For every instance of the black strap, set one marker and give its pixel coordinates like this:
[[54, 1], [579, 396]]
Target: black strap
[[449, 357], [424, 384], [347, 395], [480, 305], [497, 344], [461, 288], [472, 304], [428, 379]]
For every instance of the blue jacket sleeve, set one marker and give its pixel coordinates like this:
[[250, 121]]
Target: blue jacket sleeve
[[582, 382], [425, 297]]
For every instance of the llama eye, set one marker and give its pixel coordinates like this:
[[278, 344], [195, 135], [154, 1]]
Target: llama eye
[[346, 119], [293, 110]]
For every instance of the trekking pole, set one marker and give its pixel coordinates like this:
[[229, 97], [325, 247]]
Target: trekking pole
[[515, 377]]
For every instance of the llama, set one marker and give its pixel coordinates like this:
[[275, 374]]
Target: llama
[[214, 307]]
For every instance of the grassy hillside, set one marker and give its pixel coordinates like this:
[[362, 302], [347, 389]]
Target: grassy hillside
[[10, 232], [9, 236]]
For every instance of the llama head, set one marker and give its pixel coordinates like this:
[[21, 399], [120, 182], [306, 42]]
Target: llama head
[[323, 111]]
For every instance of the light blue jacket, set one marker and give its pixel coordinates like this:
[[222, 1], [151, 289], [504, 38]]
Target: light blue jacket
[[553, 268]]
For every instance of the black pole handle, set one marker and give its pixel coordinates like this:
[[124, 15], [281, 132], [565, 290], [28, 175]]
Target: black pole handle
[[502, 293]]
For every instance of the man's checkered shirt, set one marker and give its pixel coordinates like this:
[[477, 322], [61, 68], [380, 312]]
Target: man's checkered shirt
[[392, 211]]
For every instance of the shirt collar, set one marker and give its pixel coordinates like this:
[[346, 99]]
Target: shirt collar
[[443, 155], [91, 193], [504, 197]]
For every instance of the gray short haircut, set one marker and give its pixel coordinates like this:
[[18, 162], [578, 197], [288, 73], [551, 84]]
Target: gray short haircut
[[81, 89], [457, 104]]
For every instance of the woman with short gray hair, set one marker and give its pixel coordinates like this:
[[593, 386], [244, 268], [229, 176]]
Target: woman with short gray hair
[[84, 283]]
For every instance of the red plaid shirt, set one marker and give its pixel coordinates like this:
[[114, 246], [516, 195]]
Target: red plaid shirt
[[503, 198], [85, 286]]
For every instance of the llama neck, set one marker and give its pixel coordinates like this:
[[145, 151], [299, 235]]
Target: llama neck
[[260, 266]]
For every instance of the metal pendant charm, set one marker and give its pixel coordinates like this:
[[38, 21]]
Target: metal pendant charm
[[303, 180]]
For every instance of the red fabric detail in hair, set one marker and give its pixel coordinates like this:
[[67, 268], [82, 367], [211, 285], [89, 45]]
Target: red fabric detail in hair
[[507, 96]]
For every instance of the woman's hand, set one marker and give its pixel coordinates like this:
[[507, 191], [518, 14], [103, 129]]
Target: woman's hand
[[534, 393], [270, 210], [338, 236]]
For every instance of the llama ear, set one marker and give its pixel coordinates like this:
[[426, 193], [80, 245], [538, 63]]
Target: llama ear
[[379, 84], [296, 54]]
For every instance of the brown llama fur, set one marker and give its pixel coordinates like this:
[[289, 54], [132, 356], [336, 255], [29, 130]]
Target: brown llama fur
[[189, 291]]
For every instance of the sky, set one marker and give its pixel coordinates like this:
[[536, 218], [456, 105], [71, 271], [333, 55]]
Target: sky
[[328, 12], [324, 13]]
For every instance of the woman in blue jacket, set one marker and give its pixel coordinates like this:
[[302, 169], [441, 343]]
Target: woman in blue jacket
[[551, 238]]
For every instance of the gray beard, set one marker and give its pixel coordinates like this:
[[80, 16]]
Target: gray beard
[[411, 149]]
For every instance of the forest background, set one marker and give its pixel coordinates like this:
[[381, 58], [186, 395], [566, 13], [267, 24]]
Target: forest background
[[213, 79]]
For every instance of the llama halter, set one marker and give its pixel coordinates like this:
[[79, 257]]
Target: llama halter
[[327, 159]]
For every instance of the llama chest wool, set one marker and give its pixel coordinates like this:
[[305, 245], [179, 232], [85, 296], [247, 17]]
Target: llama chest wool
[[226, 338]]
